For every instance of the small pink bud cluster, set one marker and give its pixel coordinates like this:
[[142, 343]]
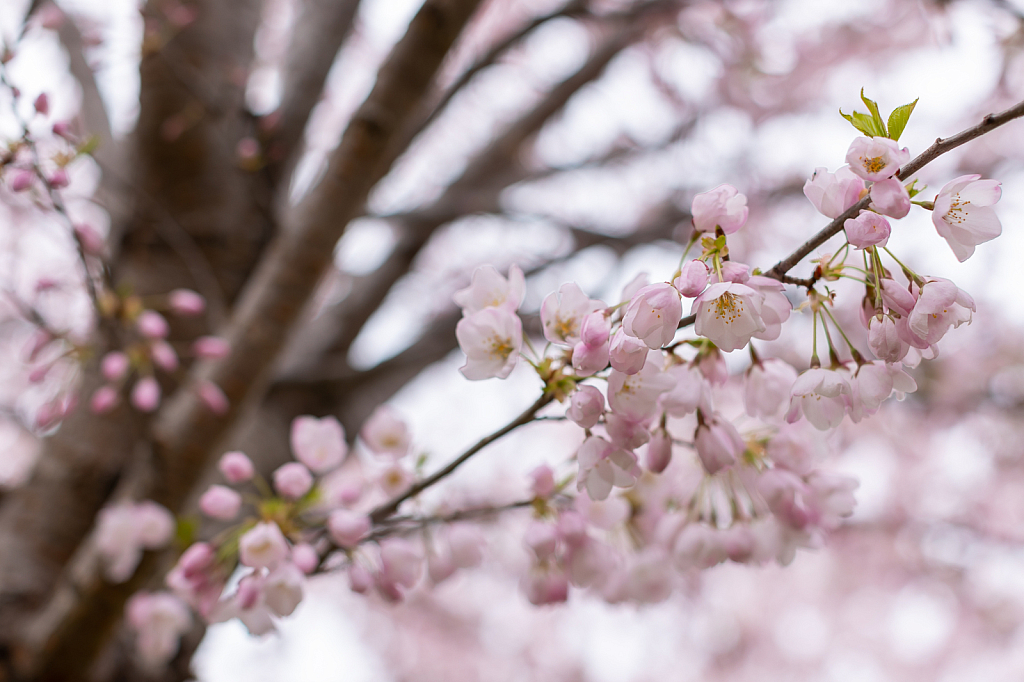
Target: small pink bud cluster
[[124, 531]]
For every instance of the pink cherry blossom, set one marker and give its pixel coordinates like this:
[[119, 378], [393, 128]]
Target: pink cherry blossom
[[488, 289], [186, 302], [718, 443], [220, 502], [626, 433], [104, 399], [627, 354], [541, 538], [59, 179], [586, 407], [263, 546], [212, 396], [692, 279], [722, 207], [542, 482], [562, 314], [867, 229], [395, 479], [767, 387], [347, 527], [124, 530], [653, 315], [146, 394], [292, 480], [164, 356], [305, 557], [159, 620], [940, 305], [589, 360], [318, 443], [635, 396], [963, 213], [91, 240], [546, 586], [152, 325], [689, 392], [876, 158], [728, 314], [833, 193], [42, 104], [491, 339], [401, 562], [818, 395], [775, 306], [210, 347], [890, 197], [604, 466], [236, 467], [659, 451], [466, 544], [115, 365], [23, 179], [884, 340], [386, 434]]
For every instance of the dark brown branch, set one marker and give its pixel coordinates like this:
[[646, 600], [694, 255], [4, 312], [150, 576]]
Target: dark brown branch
[[390, 507]]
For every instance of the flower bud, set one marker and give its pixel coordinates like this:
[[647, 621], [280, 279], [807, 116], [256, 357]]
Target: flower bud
[[236, 467], [292, 480], [220, 502], [146, 394]]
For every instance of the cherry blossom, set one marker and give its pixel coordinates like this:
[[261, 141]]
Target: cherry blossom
[[562, 314], [236, 467], [833, 193], [491, 339], [818, 394], [722, 207], [728, 314], [159, 620], [292, 480], [263, 546], [220, 502], [627, 354], [186, 302], [488, 289], [940, 305], [347, 527], [123, 531], [386, 434], [586, 407], [692, 279], [717, 442], [876, 158], [867, 229], [963, 213], [890, 197], [635, 396], [767, 387], [318, 443], [604, 466], [653, 315]]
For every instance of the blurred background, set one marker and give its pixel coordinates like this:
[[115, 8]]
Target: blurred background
[[574, 152]]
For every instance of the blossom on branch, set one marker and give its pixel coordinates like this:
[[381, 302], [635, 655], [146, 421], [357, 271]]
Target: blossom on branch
[[963, 213]]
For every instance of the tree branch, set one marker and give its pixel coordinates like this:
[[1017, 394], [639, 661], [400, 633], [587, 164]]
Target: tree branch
[[941, 146], [390, 507]]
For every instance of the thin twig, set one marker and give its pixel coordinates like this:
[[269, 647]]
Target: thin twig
[[388, 508]]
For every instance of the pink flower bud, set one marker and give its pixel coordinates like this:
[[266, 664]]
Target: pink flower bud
[[659, 451], [653, 315], [867, 229], [62, 129], [196, 559], [541, 538], [263, 546], [718, 443], [318, 443], [595, 329], [589, 360], [186, 302], [236, 467], [146, 394], [305, 557], [401, 562], [722, 207], [59, 179], [543, 482], [292, 480], [586, 407], [164, 356], [213, 397], [247, 149], [347, 527], [692, 279], [832, 193], [550, 587], [103, 400], [627, 354], [23, 179], [890, 197], [220, 502], [91, 241], [210, 347], [359, 579], [42, 104], [152, 325]]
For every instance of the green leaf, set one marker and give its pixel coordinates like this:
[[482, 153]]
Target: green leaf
[[864, 123], [899, 117], [875, 115]]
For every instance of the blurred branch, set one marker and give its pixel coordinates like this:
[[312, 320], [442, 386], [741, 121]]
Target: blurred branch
[[941, 146], [186, 431], [321, 28]]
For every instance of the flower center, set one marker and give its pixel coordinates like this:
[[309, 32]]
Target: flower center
[[501, 348], [874, 164], [728, 307]]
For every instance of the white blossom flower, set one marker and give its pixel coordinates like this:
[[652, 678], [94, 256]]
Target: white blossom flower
[[728, 314], [491, 339], [963, 214], [488, 289]]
